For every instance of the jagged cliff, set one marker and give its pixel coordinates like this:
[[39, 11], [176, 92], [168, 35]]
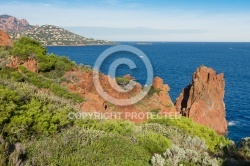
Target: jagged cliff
[[157, 101], [202, 100], [12, 24]]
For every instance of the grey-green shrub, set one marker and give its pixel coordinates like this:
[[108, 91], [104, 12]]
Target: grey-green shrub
[[157, 160]]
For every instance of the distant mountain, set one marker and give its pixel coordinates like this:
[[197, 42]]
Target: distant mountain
[[12, 24], [46, 34], [53, 35]]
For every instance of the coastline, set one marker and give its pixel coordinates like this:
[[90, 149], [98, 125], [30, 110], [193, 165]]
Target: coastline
[[79, 45]]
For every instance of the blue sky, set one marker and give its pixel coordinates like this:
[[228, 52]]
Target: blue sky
[[138, 20]]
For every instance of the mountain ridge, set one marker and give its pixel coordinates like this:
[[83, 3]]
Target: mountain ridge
[[12, 24], [45, 34]]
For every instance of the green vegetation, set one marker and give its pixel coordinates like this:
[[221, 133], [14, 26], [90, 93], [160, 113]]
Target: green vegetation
[[153, 90], [122, 81], [51, 68], [24, 111], [87, 147], [117, 127], [25, 47], [155, 143], [212, 139]]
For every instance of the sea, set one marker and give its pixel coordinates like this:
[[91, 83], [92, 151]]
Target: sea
[[175, 62]]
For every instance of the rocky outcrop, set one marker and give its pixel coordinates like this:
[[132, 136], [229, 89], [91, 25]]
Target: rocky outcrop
[[128, 76], [158, 101], [12, 24], [5, 39], [202, 100]]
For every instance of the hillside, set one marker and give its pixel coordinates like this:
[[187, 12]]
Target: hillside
[[35, 109], [45, 34], [12, 24], [53, 35]]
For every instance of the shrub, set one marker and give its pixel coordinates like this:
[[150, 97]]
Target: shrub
[[244, 149], [77, 146], [157, 160], [117, 151], [176, 156], [3, 155], [193, 129], [153, 90], [54, 66], [45, 63], [155, 143], [63, 92], [122, 81], [110, 126], [25, 47], [43, 82], [25, 112]]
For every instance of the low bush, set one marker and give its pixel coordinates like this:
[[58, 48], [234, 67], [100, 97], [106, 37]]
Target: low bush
[[155, 143], [122, 81], [25, 112], [110, 126], [193, 129], [43, 82], [152, 91], [176, 156], [86, 147]]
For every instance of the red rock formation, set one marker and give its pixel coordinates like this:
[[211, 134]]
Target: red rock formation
[[10, 23], [128, 76], [82, 83], [5, 39], [202, 100], [31, 65]]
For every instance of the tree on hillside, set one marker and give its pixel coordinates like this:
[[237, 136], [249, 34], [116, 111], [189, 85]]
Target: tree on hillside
[[25, 47]]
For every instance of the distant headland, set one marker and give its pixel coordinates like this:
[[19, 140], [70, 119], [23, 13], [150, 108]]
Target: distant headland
[[48, 35]]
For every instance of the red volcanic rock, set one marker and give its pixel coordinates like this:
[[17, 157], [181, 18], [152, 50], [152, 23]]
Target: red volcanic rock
[[12, 24], [82, 83], [128, 76], [5, 39], [157, 83], [163, 97], [202, 100]]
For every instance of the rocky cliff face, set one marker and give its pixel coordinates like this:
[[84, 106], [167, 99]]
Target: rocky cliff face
[[202, 100], [12, 24], [158, 102], [5, 39]]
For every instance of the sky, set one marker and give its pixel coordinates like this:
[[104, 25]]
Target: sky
[[140, 20]]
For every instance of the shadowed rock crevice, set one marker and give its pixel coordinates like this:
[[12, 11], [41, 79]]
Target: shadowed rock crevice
[[185, 100]]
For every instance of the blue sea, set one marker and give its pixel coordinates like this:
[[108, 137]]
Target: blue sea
[[175, 62]]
